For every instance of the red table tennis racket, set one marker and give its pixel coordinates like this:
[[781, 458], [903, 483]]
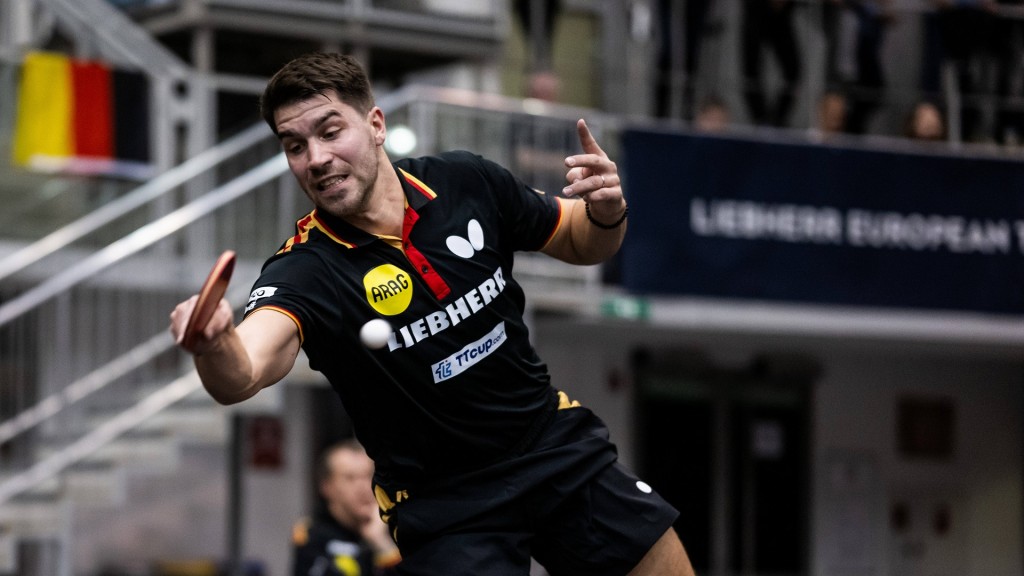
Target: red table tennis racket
[[209, 296]]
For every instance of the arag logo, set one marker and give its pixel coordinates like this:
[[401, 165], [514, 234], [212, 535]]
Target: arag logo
[[388, 289]]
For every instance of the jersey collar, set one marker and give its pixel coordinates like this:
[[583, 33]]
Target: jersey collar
[[417, 195]]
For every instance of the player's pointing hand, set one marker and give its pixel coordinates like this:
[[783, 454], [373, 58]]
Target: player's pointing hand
[[594, 177]]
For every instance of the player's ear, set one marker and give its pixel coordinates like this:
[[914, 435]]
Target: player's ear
[[376, 119]]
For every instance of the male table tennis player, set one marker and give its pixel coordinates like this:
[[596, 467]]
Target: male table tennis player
[[480, 462]]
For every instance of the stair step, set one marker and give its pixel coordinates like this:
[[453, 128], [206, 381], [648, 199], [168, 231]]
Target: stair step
[[139, 450], [96, 486], [8, 553], [30, 518], [92, 484], [159, 453], [196, 423], [196, 417]]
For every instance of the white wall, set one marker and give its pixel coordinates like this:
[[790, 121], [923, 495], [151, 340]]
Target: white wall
[[855, 412]]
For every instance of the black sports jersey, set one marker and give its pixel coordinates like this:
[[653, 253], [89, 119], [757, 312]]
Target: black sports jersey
[[459, 384]]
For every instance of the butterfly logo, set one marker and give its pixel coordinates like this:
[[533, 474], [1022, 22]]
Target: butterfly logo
[[466, 247]]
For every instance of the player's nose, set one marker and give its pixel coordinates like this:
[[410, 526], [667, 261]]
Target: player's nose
[[318, 155]]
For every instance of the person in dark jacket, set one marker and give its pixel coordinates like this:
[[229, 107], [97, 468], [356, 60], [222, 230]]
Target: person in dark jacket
[[346, 536]]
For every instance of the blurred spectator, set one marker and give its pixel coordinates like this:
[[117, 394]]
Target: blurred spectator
[[712, 116], [960, 33], [768, 24], [831, 13], [1009, 41], [926, 121], [346, 536], [833, 112], [863, 78], [681, 30], [537, 17], [544, 85]]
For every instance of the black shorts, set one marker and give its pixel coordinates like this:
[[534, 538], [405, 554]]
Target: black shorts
[[566, 502]]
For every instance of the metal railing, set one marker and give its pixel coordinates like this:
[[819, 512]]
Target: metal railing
[[153, 190], [104, 31], [73, 357]]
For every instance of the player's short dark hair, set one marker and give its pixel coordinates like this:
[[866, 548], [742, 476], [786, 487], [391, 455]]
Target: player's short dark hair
[[317, 73]]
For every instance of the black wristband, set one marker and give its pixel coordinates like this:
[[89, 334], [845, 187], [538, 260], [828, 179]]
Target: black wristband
[[602, 226]]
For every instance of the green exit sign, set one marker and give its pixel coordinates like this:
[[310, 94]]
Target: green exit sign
[[625, 307]]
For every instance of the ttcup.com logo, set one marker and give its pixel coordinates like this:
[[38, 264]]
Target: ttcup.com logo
[[388, 289]]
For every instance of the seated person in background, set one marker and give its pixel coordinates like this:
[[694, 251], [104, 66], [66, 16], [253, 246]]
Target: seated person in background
[[713, 115], [346, 537], [537, 18], [926, 122], [833, 108]]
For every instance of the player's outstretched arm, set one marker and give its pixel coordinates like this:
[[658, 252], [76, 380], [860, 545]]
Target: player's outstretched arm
[[590, 238], [236, 363]]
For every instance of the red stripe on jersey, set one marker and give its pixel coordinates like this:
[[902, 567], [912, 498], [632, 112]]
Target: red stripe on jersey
[[306, 224], [302, 226], [437, 285]]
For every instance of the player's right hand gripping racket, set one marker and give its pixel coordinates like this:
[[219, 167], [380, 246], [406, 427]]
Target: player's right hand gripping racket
[[213, 290]]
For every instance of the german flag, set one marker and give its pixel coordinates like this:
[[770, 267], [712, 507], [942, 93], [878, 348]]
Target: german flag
[[81, 117]]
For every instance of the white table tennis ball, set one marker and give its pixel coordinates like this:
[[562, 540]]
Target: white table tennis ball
[[375, 333]]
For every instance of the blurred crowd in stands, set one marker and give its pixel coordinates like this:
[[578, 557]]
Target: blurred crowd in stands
[[976, 42], [968, 83]]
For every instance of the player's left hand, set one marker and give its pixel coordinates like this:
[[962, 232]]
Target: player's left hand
[[594, 177]]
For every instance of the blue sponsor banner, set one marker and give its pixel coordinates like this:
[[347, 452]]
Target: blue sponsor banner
[[802, 222]]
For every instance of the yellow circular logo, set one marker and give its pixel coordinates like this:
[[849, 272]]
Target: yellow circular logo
[[388, 289], [347, 565]]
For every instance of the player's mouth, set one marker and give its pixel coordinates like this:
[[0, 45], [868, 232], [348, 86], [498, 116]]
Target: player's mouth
[[330, 182]]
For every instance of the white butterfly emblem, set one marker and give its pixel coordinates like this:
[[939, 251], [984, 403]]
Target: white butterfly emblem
[[466, 248]]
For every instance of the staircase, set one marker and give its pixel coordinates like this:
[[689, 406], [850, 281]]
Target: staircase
[[94, 392]]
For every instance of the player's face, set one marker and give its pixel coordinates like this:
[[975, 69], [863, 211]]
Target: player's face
[[333, 150]]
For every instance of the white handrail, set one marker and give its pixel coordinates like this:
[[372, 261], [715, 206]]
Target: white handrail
[[143, 237], [151, 190], [102, 435], [95, 380]]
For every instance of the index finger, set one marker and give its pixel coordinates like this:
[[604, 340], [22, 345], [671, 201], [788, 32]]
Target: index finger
[[587, 140]]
